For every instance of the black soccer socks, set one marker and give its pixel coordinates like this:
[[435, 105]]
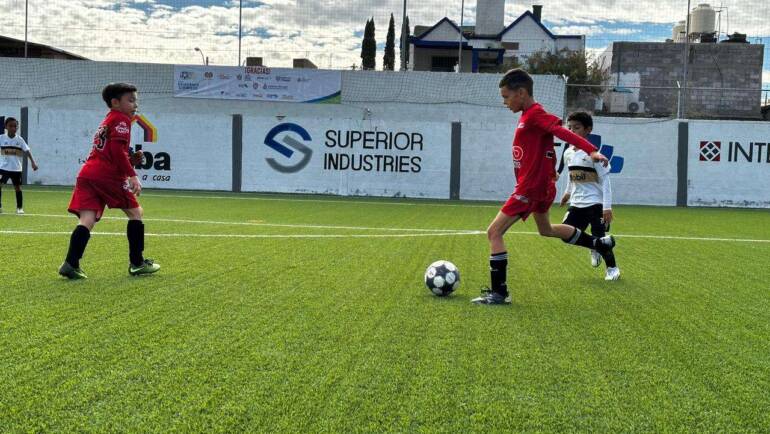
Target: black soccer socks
[[135, 234], [498, 268], [19, 200], [78, 241], [582, 239]]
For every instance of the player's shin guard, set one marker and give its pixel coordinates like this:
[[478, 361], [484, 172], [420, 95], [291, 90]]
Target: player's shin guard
[[580, 238], [498, 268], [19, 200], [135, 234], [78, 241]]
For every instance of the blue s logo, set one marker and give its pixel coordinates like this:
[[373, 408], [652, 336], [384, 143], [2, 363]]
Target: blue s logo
[[288, 147]]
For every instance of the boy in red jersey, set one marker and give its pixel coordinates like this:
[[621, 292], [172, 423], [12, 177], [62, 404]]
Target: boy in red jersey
[[534, 161], [108, 179]]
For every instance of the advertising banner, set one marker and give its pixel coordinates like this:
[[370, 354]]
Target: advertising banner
[[643, 156], [347, 157], [729, 164], [257, 83], [181, 151]]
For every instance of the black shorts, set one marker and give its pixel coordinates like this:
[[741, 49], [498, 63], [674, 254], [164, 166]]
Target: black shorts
[[582, 217], [15, 177]]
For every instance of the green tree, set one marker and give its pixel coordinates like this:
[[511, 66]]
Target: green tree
[[369, 47], [389, 59], [575, 65]]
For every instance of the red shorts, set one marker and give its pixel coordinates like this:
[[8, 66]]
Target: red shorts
[[518, 205], [95, 195]]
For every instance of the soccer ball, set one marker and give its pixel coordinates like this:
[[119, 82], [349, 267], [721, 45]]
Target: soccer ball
[[442, 278]]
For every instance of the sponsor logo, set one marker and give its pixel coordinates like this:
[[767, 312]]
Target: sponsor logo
[[186, 75], [616, 161], [158, 161], [208, 75], [302, 79], [288, 146], [122, 128], [258, 95], [183, 85], [734, 151], [225, 76], [257, 70], [272, 96], [288, 97], [282, 78], [518, 153], [710, 151], [243, 85]]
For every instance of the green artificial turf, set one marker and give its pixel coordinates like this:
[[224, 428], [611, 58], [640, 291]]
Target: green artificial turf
[[309, 314]]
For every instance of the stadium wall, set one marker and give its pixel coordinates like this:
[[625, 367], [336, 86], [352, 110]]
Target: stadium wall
[[465, 146]]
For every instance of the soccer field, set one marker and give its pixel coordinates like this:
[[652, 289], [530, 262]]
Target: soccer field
[[309, 314]]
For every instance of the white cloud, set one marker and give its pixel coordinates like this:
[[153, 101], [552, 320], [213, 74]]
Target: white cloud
[[322, 30]]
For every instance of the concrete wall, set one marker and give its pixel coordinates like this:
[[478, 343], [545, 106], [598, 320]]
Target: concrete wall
[[725, 66]]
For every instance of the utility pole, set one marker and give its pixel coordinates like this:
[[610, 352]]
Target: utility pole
[[460, 41], [404, 36], [26, 25], [685, 61], [240, 28]]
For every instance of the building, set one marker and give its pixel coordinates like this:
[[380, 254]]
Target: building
[[724, 80], [10, 47], [487, 45]]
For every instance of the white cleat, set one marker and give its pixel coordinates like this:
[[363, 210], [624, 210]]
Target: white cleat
[[596, 259], [19, 211], [613, 273]]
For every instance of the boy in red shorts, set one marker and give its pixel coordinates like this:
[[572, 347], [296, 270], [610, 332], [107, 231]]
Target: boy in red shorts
[[108, 179], [534, 161]]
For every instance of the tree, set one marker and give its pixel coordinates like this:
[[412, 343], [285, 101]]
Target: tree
[[369, 47], [389, 59], [575, 65], [405, 43]]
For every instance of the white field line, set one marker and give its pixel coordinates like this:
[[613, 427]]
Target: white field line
[[352, 201], [277, 225], [419, 232], [182, 235]]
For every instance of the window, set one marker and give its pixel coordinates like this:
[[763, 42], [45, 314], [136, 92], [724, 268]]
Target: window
[[510, 45]]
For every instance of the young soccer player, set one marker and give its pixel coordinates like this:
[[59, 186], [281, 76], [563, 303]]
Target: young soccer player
[[588, 192], [108, 179], [12, 149], [534, 160]]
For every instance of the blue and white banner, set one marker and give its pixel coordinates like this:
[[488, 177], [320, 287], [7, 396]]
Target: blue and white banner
[[257, 83]]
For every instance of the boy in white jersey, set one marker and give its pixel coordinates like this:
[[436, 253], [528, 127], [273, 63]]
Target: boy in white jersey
[[589, 192], [12, 149]]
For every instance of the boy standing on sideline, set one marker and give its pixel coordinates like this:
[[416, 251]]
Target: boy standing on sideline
[[534, 161], [588, 192], [108, 179], [12, 149]]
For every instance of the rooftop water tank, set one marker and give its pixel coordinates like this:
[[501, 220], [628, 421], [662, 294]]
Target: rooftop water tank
[[677, 34], [703, 20]]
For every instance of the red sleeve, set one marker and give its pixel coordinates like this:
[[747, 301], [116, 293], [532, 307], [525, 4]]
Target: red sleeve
[[573, 139], [552, 124], [119, 136]]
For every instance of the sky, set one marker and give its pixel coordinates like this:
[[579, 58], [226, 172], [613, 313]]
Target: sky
[[328, 32]]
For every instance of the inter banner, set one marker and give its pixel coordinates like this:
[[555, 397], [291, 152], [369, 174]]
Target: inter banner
[[257, 83]]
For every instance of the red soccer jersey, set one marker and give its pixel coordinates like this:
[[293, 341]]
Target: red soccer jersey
[[108, 160], [534, 158]]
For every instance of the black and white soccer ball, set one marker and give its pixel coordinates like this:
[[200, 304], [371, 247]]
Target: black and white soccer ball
[[442, 278]]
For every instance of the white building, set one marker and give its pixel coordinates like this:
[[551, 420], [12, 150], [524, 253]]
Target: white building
[[488, 44]]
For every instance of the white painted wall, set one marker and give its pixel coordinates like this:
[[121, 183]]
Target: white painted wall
[[733, 181], [442, 33], [649, 150], [198, 148], [530, 36], [572, 44]]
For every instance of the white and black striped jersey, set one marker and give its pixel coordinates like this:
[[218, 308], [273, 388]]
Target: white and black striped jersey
[[12, 150], [589, 182]]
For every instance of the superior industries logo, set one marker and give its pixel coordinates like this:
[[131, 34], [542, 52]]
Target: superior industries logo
[[713, 151], [288, 146]]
